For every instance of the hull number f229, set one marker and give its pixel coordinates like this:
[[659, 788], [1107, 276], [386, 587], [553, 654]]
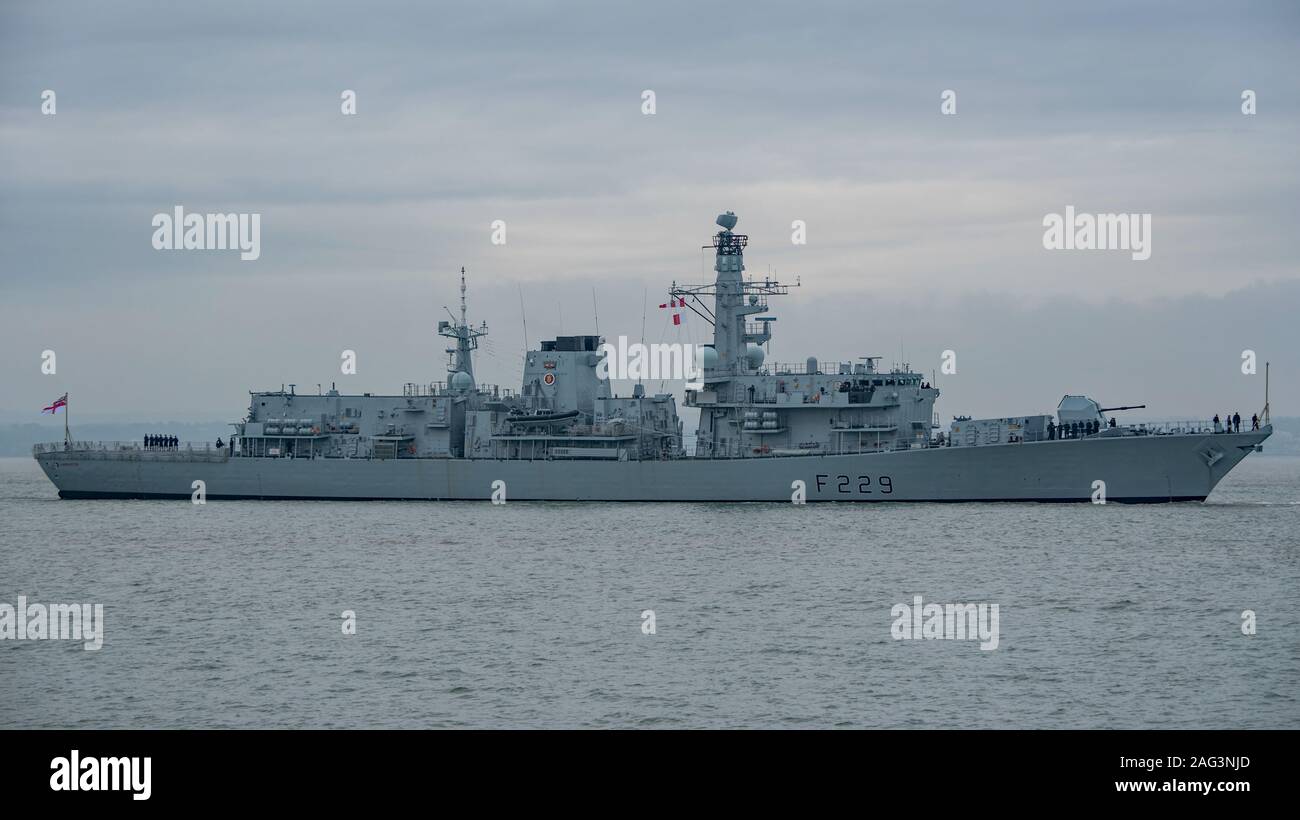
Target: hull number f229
[[855, 485]]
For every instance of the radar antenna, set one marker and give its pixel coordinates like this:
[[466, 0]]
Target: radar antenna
[[460, 359]]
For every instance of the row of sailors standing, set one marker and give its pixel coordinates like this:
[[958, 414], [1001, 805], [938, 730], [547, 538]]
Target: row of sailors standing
[[1074, 429], [1229, 424], [1232, 424], [161, 442]]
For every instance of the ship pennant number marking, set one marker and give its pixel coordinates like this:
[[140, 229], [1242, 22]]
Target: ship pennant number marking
[[845, 484]]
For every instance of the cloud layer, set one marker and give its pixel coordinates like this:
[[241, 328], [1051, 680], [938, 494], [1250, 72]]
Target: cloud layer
[[922, 229]]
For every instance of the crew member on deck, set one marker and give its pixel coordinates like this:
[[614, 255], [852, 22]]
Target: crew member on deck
[[1254, 421], [220, 443], [1236, 422]]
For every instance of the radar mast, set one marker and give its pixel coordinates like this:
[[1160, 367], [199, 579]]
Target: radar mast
[[460, 362], [734, 299]]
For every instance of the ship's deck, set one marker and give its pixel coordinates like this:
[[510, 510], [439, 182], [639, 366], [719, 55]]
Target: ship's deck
[[207, 452]]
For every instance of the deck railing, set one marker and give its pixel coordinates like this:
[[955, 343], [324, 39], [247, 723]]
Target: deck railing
[[1194, 426], [185, 450], [417, 390]]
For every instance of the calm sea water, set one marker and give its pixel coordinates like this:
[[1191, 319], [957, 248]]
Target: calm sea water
[[529, 614]]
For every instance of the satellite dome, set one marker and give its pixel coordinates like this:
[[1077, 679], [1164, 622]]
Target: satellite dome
[[708, 357], [460, 380], [727, 220], [754, 355]]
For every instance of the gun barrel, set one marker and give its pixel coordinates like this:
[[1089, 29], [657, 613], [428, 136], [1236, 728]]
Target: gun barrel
[[1125, 407]]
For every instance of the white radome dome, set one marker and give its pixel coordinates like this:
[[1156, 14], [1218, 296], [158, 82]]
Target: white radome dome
[[460, 380], [754, 355]]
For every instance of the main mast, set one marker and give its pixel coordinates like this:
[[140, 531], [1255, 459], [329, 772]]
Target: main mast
[[460, 366], [729, 293], [733, 300]]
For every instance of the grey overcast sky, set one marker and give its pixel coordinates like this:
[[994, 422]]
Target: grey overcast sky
[[924, 230]]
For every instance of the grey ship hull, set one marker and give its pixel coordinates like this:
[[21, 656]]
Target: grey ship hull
[[1135, 469]]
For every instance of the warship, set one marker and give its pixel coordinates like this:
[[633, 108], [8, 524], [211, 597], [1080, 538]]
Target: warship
[[810, 431]]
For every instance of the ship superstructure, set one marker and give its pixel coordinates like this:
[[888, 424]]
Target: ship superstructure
[[749, 408], [848, 431]]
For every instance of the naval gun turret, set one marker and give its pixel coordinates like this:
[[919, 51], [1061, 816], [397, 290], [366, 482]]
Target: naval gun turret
[[1081, 410], [1078, 410]]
